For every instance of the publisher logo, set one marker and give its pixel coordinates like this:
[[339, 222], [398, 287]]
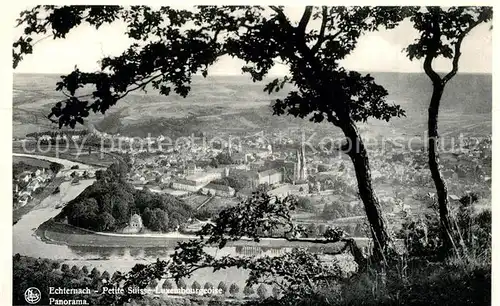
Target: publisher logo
[[32, 295]]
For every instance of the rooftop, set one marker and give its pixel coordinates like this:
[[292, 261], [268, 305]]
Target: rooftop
[[219, 187], [269, 172], [185, 182]]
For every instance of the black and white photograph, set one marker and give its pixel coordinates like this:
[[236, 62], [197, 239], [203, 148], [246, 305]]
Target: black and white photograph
[[291, 155]]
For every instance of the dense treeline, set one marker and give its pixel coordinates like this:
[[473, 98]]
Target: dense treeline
[[222, 158], [233, 181], [45, 273], [108, 204]]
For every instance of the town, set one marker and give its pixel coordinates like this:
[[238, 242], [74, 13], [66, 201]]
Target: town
[[211, 177]]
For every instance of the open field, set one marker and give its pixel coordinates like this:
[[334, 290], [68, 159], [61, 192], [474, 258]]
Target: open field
[[39, 163], [97, 159]]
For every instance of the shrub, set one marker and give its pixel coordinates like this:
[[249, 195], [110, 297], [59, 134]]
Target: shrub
[[234, 289], [167, 284], [56, 265], [208, 285], [153, 283], [222, 286], [422, 236], [276, 292], [181, 284], [195, 285], [262, 291], [65, 268], [248, 291]]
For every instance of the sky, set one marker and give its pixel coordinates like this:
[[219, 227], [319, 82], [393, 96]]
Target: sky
[[375, 52]]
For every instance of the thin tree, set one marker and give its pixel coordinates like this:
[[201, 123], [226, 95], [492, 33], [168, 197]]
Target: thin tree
[[222, 287], [173, 45], [167, 284], [234, 289], [442, 32]]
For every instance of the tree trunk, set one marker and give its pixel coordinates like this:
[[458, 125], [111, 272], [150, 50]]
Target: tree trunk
[[441, 189], [357, 153]]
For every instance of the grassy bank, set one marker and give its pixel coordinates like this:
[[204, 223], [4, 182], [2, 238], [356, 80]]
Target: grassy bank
[[423, 283]]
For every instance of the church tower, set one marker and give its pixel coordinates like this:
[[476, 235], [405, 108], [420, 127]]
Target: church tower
[[304, 165], [298, 167]]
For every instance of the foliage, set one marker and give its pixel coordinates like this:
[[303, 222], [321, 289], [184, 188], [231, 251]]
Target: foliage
[[473, 230], [181, 284], [167, 284], [248, 290], [422, 284], [173, 45], [181, 53], [262, 291], [422, 236], [299, 271], [41, 273], [442, 31], [107, 204], [208, 285], [222, 286], [263, 188], [234, 289], [305, 203], [55, 167], [223, 159], [234, 181], [195, 285]]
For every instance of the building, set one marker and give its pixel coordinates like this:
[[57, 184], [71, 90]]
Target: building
[[134, 226], [33, 185], [256, 165], [239, 158], [219, 190], [287, 167], [187, 185], [23, 200], [271, 177], [191, 169], [289, 189], [204, 178], [300, 171], [25, 176]]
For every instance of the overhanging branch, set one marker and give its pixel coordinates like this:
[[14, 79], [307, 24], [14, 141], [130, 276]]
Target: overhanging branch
[[456, 56], [301, 28], [321, 36]]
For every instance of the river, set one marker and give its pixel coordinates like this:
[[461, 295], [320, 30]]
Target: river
[[111, 259]]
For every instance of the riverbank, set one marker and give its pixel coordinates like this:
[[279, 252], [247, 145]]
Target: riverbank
[[64, 234]]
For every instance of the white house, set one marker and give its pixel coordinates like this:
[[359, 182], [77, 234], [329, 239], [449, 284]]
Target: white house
[[220, 190], [23, 200]]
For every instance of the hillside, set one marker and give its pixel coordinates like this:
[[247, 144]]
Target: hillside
[[234, 104]]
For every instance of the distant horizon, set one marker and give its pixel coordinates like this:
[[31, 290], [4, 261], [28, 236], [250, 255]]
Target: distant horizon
[[275, 75]]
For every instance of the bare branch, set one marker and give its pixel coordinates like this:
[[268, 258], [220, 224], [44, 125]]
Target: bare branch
[[457, 54], [305, 19], [321, 36], [281, 16], [39, 40]]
